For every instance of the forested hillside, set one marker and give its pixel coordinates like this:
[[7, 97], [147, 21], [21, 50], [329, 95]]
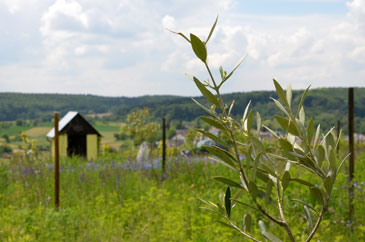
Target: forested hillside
[[326, 105]]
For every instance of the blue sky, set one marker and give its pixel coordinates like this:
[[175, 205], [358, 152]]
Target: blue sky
[[122, 47]]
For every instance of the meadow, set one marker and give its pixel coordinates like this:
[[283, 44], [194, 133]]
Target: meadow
[[113, 199]]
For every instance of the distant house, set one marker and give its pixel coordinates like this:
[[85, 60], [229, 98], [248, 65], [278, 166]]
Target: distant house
[[76, 137]]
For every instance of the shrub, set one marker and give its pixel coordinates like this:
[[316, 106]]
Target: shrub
[[264, 175]]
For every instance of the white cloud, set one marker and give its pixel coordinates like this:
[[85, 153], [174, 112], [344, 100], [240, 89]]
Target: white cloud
[[117, 47], [168, 22]]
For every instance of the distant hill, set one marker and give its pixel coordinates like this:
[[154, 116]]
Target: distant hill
[[326, 105]]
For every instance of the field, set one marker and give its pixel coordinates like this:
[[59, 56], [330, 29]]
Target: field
[[116, 200], [38, 132]]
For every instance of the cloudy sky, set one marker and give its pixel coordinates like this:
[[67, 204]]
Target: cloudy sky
[[122, 47]]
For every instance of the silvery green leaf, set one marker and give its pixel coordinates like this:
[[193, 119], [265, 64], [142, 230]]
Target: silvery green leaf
[[213, 137], [285, 144], [258, 121], [271, 131], [273, 178], [224, 163], [267, 234], [287, 166], [222, 154], [246, 111], [255, 164], [328, 183], [249, 121], [317, 135], [281, 93], [285, 180], [302, 116], [280, 106], [228, 182], [252, 188], [330, 139], [213, 122], [212, 29], [262, 226], [287, 125], [206, 110], [198, 48], [342, 162], [247, 223], [309, 216], [269, 186], [310, 130], [230, 108], [317, 194], [206, 93], [181, 34], [208, 203], [332, 159], [302, 98], [320, 155], [338, 139], [289, 94], [305, 204], [221, 71], [236, 66], [303, 182], [291, 139], [259, 147]]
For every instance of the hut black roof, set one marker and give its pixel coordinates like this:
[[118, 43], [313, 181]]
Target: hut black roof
[[73, 123]]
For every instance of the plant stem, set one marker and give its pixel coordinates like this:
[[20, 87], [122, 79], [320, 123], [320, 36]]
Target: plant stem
[[314, 230], [238, 157], [240, 231], [216, 88], [246, 182]]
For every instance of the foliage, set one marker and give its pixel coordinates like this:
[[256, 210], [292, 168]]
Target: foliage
[[327, 105], [5, 149], [6, 138], [138, 126], [264, 175]]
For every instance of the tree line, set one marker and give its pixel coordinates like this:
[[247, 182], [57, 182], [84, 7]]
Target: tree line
[[325, 105]]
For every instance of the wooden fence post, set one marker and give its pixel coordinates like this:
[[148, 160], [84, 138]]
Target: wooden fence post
[[163, 147], [57, 162], [352, 155]]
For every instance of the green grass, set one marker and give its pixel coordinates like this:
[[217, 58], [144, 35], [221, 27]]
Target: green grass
[[102, 201], [106, 127], [13, 130]]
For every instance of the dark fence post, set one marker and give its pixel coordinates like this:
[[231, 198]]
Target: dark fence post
[[352, 155], [163, 146], [57, 162]]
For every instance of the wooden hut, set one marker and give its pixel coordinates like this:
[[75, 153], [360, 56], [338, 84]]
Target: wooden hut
[[76, 137]]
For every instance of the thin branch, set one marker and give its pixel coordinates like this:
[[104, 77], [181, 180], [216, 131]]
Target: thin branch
[[318, 221], [275, 220], [283, 220], [240, 231], [216, 88]]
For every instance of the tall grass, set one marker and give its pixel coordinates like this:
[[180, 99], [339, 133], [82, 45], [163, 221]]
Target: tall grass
[[110, 200]]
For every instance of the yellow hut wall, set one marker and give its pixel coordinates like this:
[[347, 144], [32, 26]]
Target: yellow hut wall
[[62, 139], [92, 147]]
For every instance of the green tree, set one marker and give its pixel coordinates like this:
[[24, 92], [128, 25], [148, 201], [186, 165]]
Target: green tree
[[6, 137], [139, 127]]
